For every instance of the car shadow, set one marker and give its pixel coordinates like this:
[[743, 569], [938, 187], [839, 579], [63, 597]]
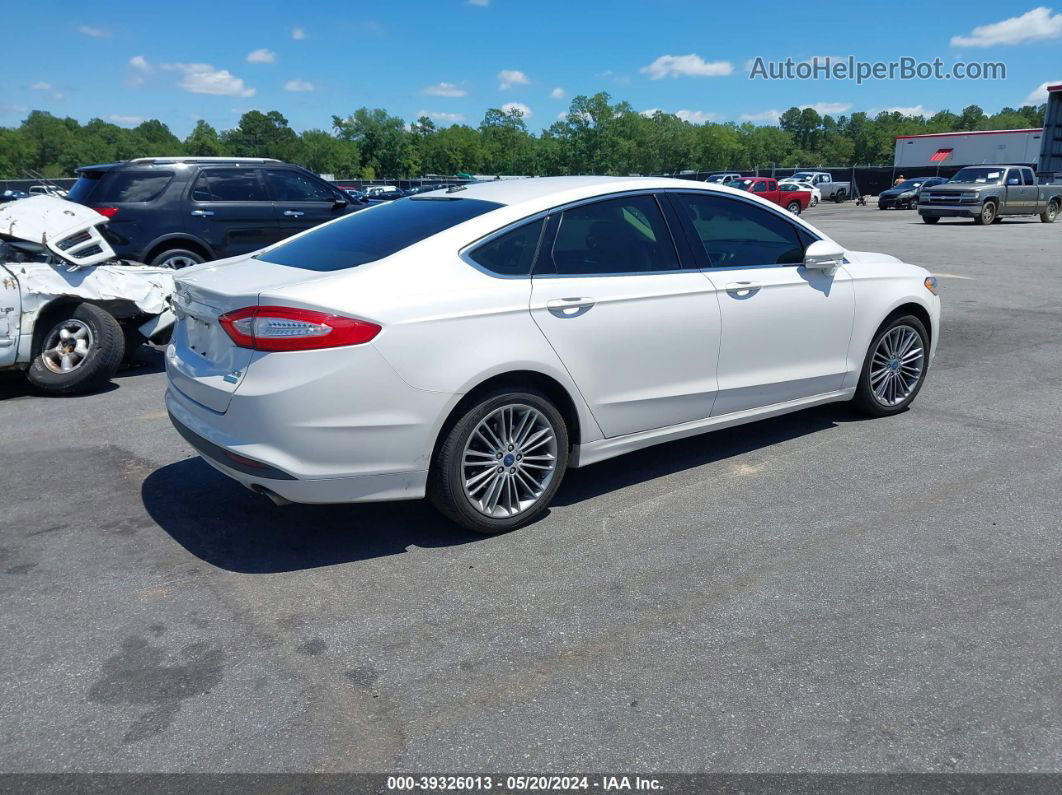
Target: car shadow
[[228, 526]]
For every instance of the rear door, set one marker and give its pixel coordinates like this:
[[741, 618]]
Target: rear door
[[638, 333], [302, 201], [230, 209]]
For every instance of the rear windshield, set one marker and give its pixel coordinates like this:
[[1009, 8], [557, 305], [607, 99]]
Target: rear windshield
[[375, 233], [121, 186]]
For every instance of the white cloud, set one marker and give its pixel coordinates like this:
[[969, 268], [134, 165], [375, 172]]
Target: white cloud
[[140, 63], [909, 110], [507, 78], [829, 107], [261, 55], [438, 115], [40, 85], [202, 78], [299, 85], [93, 33], [557, 93], [299, 34], [1040, 23], [444, 89], [520, 106], [763, 117], [691, 65], [1038, 96], [118, 118], [695, 116]]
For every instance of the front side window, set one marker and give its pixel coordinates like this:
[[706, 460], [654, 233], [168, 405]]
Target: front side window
[[624, 235], [374, 233], [228, 185], [736, 233], [512, 253], [291, 186]]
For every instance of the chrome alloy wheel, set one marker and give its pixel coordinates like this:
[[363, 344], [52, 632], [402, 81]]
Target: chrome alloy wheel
[[897, 365], [67, 346], [509, 460]]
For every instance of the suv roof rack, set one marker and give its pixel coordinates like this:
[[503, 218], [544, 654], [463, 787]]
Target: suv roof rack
[[205, 160]]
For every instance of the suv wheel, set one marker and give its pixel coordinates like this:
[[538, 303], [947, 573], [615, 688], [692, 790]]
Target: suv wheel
[[176, 258], [500, 464]]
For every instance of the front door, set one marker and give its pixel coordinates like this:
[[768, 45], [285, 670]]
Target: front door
[[10, 317], [786, 328], [301, 201], [638, 334], [231, 211]]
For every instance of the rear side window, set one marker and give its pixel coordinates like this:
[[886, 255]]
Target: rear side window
[[126, 186], [511, 254], [291, 186], [228, 185], [86, 183], [625, 235], [736, 233], [375, 233]]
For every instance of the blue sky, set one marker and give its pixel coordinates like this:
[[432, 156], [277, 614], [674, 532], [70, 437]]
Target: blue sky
[[180, 61]]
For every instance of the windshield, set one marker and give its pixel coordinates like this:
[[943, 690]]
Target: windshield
[[716, 178], [909, 184], [375, 233], [987, 176], [800, 176]]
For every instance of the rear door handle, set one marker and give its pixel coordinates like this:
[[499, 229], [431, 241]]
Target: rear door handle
[[294, 213], [743, 288], [569, 307], [202, 213]]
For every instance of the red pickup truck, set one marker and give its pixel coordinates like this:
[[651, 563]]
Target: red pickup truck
[[796, 201]]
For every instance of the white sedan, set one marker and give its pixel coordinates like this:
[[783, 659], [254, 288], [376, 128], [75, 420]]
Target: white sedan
[[473, 344], [816, 194]]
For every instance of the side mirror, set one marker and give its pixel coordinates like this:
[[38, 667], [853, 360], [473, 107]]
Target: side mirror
[[823, 255], [339, 203]]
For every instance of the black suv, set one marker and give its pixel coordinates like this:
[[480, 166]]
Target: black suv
[[178, 211]]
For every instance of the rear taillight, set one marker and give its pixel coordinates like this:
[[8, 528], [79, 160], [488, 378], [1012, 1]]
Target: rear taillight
[[284, 328], [107, 212]]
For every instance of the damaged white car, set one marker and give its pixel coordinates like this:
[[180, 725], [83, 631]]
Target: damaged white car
[[70, 310]]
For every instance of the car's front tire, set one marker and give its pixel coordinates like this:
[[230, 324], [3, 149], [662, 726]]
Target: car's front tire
[[498, 466], [930, 219], [987, 216], [894, 368], [79, 351]]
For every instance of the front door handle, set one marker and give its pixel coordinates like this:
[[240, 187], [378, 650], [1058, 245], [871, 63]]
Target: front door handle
[[294, 213], [202, 213], [743, 289], [569, 307]]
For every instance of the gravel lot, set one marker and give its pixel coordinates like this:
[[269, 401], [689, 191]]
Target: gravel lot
[[817, 592]]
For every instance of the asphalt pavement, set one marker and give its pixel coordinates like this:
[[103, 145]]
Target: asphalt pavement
[[817, 592]]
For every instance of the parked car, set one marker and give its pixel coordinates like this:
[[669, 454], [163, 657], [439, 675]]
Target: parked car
[[988, 193], [384, 356], [70, 311], [789, 185], [180, 211], [768, 188], [12, 195], [723, 178], [823, 180], [47, 190], [905, 195], [355, 195]]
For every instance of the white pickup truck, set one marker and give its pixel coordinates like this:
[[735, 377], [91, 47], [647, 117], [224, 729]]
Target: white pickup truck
[[823, 180], [70, 310]]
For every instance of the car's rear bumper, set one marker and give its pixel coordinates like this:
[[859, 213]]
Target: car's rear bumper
[[262, 477]]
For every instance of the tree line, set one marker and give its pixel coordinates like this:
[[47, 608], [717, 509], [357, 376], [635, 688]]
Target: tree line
[[595, 136]]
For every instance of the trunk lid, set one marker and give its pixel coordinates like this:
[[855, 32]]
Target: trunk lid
[[204, 363]]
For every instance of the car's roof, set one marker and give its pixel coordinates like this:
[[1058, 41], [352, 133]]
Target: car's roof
[[559, 190]]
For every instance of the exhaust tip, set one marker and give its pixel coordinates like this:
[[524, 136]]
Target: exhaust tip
[[277, 500]]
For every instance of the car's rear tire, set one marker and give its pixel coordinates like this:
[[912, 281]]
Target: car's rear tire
[[498, 466], [78, 351], [930, 219], [840, 195], [1049, 215], [894, 367], [987, 216], [177, 258], [793, 207]]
